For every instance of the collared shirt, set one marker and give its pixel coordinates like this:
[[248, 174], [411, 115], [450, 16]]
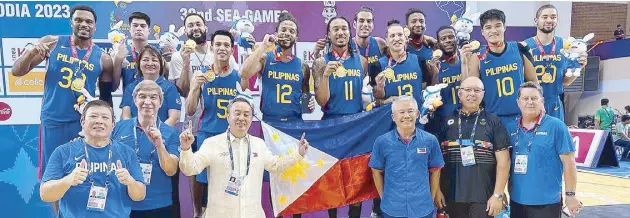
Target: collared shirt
[[406, 190], [159, 189], [620, 128], [474, 183], [215, 156], [171, 99], [68, 156], [544, 167]]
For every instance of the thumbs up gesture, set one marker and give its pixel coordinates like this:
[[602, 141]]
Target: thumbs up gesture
[[122, 174], [78, 175]]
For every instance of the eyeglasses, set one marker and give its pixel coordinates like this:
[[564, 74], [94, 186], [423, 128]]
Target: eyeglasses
[[469, 90]]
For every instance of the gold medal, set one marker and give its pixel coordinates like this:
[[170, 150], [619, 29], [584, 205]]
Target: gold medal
[[190, 44], [341, 71], [407, 31], [211, 75], [389, 73], [546, 78], [77, 84], [437, 53], [475, 44]]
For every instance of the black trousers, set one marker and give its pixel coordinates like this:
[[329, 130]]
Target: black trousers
[[535, 211]]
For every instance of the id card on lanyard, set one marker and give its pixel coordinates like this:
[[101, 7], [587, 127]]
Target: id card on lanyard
[[520, 161], [233, 186], [147, 168], [98, 194], [466, 146]]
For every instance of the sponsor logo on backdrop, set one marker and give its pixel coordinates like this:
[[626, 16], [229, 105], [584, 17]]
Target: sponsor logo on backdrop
[[5, 111], [14, 48], [30, 84]]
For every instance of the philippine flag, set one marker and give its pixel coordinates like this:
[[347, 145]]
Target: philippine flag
[[335, 170]]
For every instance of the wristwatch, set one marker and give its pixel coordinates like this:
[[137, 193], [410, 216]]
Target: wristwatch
[[499, 196], [568, 194]]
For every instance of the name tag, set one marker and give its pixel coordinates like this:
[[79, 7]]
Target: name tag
[[97, 198], [468, 156], [147, 169], [520, 164], [233, 186]]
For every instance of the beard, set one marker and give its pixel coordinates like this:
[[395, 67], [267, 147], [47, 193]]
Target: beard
[[76, 33], [199, 40], [547, 30], [282, 45]]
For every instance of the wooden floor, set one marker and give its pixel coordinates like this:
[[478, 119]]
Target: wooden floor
[[596, 189]]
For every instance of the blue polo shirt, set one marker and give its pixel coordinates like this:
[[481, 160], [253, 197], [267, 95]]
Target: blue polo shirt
[[170, 101], [406, 191], [102, 170], [159, 189], [544, 168]]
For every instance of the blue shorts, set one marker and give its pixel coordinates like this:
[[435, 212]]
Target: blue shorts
[[52, 136], [508, 120], [555, 108], [201, 136]]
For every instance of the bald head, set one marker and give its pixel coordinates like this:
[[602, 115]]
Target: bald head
[[471, 93], [472, 82]]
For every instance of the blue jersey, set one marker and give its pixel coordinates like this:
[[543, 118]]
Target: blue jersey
[[450, 74], [371, 52], [171, 98], [102, 170], [544, 167], [282, 88], [552, 64], [345, 92], [159, 189], [501, 77], [130, 70], [424, 53], [216, 96], [407, 78], [59, 96]]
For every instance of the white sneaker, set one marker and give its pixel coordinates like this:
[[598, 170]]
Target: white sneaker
[[375, 215]]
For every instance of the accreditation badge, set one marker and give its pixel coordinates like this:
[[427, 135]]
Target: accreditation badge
[[233, 186], [520, 164], [97, 198], [147, 169]]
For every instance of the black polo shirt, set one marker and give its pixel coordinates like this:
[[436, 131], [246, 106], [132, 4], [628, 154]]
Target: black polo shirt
[[474, 183]]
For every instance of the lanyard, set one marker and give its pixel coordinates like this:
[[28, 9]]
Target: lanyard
[[389, 63], [278, 54], [86, 57], [135, 137], [367, 48], [542, 49], [338, 57], [531, 138], [249, 152], [459, 128], [225, 69], [109, 164]]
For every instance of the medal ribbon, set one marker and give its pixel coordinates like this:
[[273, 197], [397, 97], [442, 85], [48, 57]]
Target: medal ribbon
[[485, 53], [278, 54], [225, 69], [341, 57], [542, 50], [402, 55]]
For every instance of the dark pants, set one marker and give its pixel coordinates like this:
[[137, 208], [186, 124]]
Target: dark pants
[[625, 145], [175, 187], [466, 210], [164, 212], [376, 206], [535, 211]]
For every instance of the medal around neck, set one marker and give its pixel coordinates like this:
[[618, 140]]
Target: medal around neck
[[475, 44], [437, 53], [341, 71], [190, 44], [78, 84], [547, 78], [389, 73], [407, 32], [211, 75]]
